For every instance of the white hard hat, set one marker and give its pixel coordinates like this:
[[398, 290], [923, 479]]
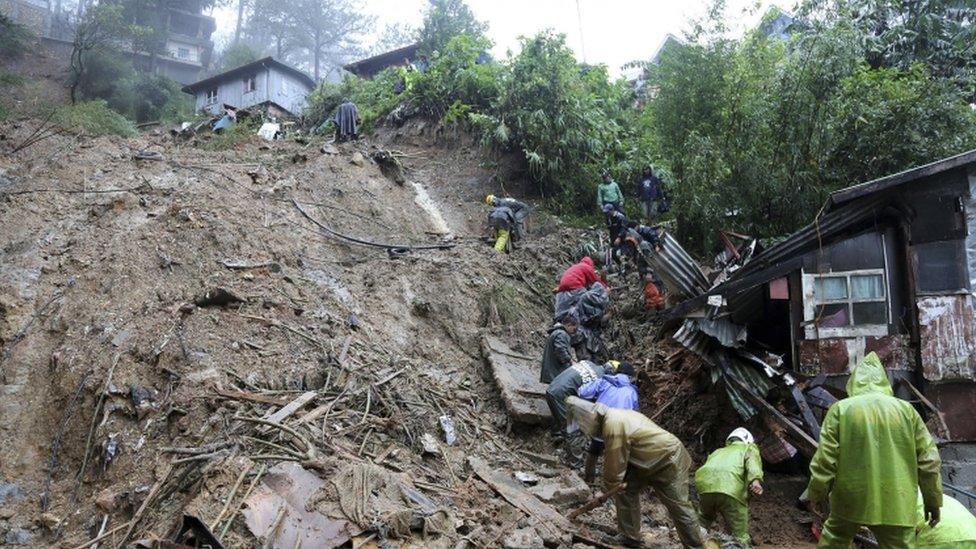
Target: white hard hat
[[742, 434]]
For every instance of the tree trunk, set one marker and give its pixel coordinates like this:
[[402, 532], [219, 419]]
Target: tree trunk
[[240, 20], [317, 54]]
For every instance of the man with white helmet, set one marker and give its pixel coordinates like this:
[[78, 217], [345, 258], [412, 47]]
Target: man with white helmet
[[725, 481]]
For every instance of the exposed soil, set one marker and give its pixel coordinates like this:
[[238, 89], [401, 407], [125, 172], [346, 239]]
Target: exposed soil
[[177, 296]]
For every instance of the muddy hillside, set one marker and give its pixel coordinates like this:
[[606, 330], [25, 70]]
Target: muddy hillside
[[280, 344]]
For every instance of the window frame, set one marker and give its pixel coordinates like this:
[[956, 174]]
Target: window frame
[[811, 303], [211, 95], [253, 81], [183, 53]]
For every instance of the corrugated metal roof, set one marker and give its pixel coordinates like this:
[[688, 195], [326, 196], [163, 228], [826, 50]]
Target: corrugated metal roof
[[680, 273]]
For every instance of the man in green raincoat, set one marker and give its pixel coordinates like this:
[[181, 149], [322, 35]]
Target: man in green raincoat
[[874, 455], [726, 479], [956, 527]]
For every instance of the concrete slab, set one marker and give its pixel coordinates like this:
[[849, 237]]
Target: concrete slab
[[517, 377]]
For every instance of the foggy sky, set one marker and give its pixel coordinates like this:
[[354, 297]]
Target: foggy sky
[[613, 32]]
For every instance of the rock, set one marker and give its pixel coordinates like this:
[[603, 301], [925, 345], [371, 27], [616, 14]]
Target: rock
[[10, 493], [527, 478], [142, 400], [107, 500], [430, 444], [329, 148], [564, 489], [121, 337], [18, 536], [357, 159], [49, 520], [523, 538], [216, 297]]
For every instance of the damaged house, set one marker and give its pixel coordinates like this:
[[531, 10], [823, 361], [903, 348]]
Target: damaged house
[[887, 266], [269, 83]]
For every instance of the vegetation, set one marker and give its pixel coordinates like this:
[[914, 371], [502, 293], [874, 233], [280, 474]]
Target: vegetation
[[14, 38], [94, 118], [750, 134], [445, 19]]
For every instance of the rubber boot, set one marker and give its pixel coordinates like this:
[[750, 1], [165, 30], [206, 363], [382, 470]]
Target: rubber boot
[[589, 468]]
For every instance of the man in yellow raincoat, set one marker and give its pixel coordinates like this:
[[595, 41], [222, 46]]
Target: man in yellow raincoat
[[874, 454], [724, 482], [956, 527], [641, 454]]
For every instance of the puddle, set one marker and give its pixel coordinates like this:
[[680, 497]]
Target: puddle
[[434, 214]]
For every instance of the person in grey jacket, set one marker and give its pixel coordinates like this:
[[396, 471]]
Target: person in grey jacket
[[558, 354]]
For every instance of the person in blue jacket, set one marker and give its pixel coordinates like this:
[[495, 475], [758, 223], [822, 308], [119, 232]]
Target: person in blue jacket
[[615, 390]]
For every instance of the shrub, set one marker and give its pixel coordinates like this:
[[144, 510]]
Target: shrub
[[14, 38], [456, 81], [93, 118]]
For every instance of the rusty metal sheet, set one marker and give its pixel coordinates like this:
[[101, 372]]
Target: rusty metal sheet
[[893, 350], [681, 274], [518, 382], [957, 402], [277, 510], [948, 340], [828, 356]]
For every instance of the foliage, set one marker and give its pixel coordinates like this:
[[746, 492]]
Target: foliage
[[456, 81], [236, 55], [756, 132], [140, 96], [237, 135], [445, 19], [14, 38], [374, 98], [565, 119], [93, 118]]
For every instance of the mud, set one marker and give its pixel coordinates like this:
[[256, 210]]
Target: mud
[[104, 257]]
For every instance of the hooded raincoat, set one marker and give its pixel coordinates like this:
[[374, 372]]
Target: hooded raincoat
[[874, 454], [730, 470], [614, 390], [956, 527]]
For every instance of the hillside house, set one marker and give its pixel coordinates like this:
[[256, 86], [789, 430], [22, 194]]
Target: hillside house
[[265, 82], [370, 67]]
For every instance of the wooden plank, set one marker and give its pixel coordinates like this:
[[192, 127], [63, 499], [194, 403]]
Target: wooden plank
[[799, 437], [252, 397], [518, 382], [550, 523], [805, 411], [288, 409], [316, 413]]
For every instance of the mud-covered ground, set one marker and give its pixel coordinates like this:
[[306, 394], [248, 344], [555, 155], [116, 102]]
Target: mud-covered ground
[[182, 298]]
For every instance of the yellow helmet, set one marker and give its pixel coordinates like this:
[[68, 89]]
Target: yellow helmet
[[614, 364], [490, 199]]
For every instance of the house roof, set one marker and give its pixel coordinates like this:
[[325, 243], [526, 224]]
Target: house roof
[[668, 39], [244, 69], [373, 65], [843, 196]]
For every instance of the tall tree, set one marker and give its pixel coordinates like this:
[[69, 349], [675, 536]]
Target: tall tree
[[445, 19], [240, 20], [318, 33]]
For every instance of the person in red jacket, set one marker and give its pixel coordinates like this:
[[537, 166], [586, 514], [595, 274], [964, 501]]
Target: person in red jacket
[[573, 283]]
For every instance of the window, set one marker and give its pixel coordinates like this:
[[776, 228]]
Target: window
[[211, 96], [249, 83], [849, 299], [183, 53]]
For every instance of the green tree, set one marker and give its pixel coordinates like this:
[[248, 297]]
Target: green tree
[[237, 54], [445, 19]]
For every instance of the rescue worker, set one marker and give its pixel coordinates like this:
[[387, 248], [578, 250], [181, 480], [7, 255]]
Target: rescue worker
[[608, 194], [502, 220], [874, 453], [653, 299], [640, 454], [573, 283], [567, 383], [520, 211], [956, 527], [593, 308], [649, 191], [558, 353], [725, 481], [346, 121], [616, 390]]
